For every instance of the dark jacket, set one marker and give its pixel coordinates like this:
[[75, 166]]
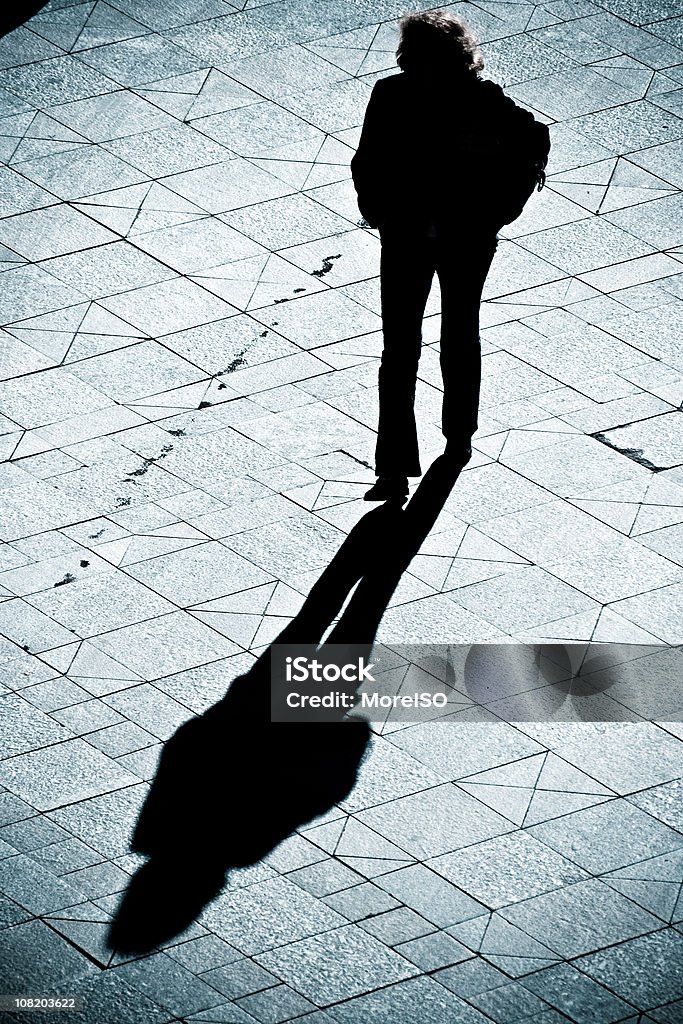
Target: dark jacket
[[453, 149]]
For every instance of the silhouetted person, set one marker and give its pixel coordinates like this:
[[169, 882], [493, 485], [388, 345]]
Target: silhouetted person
[[444, 160]]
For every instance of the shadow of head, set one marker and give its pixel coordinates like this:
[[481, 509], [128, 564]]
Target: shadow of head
[[231, 784], [18, 13]]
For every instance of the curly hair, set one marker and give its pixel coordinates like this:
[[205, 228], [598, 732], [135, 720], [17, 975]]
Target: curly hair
[[437, 39]]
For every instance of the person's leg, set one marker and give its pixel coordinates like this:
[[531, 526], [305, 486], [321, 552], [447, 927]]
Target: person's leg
[[407, 269], [462, 267]]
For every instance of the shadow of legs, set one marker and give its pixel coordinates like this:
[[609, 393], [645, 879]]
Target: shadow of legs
[[231, 784]]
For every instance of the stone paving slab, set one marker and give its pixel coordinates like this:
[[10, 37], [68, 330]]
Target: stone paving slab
[[189, 340]]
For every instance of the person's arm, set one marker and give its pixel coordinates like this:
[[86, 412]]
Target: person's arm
[[366, 165]]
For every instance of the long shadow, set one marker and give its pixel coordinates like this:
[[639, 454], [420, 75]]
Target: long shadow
[[231, 784], [17, 13]]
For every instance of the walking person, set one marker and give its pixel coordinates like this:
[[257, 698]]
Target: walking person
[[445, 159]]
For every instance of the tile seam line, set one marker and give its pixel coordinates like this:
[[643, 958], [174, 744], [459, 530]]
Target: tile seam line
[[60, 807], [138, 622], [132, 404], [616, 600], [569, 123], [164, 34], [86, 23], [19, 94], [154, 619]]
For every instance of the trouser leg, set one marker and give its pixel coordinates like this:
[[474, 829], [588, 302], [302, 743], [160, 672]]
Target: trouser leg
[[407, 269], [462, 273]]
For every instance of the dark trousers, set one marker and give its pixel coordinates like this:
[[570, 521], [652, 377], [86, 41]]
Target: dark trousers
[[410, 258]]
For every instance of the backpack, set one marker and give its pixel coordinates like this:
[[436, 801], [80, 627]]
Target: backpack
[[522, 170], [499, 155]]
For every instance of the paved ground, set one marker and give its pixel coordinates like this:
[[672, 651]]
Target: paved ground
[[190, 348]]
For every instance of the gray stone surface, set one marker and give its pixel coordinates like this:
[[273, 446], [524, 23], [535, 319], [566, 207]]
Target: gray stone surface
[[189, 340], [337, 964]]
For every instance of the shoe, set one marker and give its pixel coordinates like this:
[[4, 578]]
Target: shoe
[[458, 454], [388, 487]]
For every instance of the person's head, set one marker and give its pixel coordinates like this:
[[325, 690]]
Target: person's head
[[437, 41]]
